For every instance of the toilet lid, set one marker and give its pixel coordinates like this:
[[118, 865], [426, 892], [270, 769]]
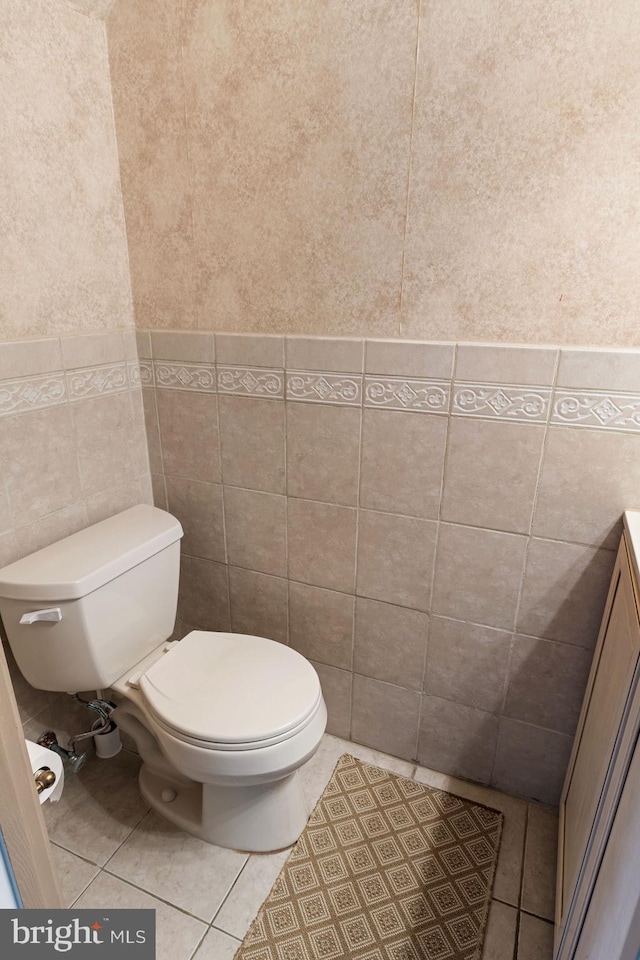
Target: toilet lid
[[231, 688]]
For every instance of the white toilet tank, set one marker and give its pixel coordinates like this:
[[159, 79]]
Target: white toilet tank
[[103, 599]]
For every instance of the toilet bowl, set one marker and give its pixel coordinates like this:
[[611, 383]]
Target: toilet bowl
[[222, 721]]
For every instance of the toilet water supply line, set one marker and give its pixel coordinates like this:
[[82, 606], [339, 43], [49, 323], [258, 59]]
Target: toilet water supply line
[[104, 709]]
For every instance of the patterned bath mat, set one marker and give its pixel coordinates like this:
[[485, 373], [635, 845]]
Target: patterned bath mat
[[386, 869]]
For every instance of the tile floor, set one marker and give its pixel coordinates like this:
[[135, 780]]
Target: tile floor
[[112, 851]]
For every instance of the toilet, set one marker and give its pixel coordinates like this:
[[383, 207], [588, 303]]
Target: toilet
[[222, 721]]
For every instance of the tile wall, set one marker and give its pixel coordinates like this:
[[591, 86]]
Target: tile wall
[[432, 525], [72, 452]]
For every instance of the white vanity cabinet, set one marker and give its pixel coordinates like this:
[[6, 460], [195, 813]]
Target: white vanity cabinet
[[598, 890]]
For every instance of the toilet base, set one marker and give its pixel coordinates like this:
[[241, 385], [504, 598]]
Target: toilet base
[[256, 819]]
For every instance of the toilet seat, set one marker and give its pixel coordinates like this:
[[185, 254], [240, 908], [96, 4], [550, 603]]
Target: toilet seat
[[223, 691]]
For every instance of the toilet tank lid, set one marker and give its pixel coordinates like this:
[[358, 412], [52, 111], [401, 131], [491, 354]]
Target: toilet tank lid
[[79, 564]]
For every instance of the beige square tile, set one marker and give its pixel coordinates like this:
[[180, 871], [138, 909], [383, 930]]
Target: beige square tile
[[325, 353], [540, 856], [198, 507], [502, 363], [65, 717], [48, 477], [589, 369], [185, 346], [402, 462], [177, 934], [589, 477], [152, 429], [535, 939], [27, 358], [74, 874], [29, 700], [256, 527], [321, 624], [259, 604], [98, 809], [252, 438], [323, 449], [8, 549], [500, 936], [143, 344], [217, 946], [390, 643], [395, 559], [139, 432], [509, 870], [546, 684], [6, 519], [491, 475], [531, 762], [410, 358], [322, 544], [93, 349], [336, 690], [159, 491], [478, 574], [56, 526], [564, 591], [189, 434], [457, 739], [203, 600], [249, 892], [109, 502], [170, 864], [467, 663], [105, 437], [385, 716], [250, 350]]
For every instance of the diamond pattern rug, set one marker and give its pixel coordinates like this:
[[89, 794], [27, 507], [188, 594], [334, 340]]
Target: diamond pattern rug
[[386, 869]]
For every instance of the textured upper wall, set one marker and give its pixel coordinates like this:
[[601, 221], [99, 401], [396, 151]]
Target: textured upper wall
[[435, 170], [64, 264]]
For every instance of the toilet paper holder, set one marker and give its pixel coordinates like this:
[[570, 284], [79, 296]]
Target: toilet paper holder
[[44, 778]]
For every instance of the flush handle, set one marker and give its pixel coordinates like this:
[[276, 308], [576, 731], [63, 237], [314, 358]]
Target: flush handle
[[53, 614]]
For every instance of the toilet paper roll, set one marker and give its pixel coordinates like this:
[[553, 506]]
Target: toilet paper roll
[[41, 757]]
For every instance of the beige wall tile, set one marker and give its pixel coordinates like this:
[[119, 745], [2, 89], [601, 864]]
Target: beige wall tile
[[39, 462], [322, 544], [6, 519], [143, 344], [589, 477], [55, 526], [491, 475], [342, 355], [390, 643], [249, 349], [203, 602], [540, 855], [323, 452], [159, 490], [252, 436], [402, 462], [457, 739], [256, 528], [30, 701], [600, 370], [8, 549], [546, 683], [321, 624], [152, 429], [258, 604], [189, 434], [187, 346], [198, 507], [564, 591], [531, 762], [395, 559], [503, 363], [467, 663], [406, 358], [478, 575], [336, 690], [385, 717], [28, 357], [92, 349], [114, 500], [107, 452]]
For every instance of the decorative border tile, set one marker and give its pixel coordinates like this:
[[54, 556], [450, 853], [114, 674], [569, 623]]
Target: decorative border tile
[[184, 376], [425, 396], [612, 410], [147, 378], [251, 381], [333, 388], [528, 404], [97, 381], [133, 371], [17, 396]]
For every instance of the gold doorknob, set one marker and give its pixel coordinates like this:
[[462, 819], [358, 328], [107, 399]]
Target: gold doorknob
[[44, 778]]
